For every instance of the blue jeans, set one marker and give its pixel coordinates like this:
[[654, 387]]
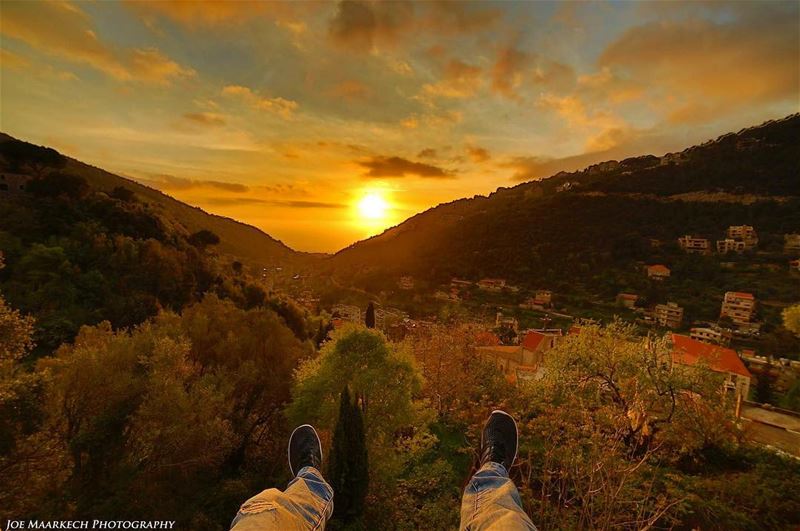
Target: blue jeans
[[307, 503], [490, 503]]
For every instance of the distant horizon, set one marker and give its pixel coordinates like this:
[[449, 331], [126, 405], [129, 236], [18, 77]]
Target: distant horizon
[[323, 124], [400, 222]]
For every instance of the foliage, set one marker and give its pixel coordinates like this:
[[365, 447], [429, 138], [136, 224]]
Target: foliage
[[791, 318], [76, 256], [180, 417], [203, 238]]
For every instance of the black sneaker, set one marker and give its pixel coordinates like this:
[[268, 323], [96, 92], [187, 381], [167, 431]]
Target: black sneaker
[[499, 439], [305, 449]]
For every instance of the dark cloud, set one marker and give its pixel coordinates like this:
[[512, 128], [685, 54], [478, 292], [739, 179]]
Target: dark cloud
[[400, 167], [427, 153], [231, 201], [171, 182], [205, 118], [478, 154], [363, 25]]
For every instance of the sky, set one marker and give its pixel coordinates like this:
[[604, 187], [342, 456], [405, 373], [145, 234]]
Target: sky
[[325, 123]]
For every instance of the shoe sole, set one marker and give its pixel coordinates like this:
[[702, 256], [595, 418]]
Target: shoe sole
[[516, 430], [289, 447]]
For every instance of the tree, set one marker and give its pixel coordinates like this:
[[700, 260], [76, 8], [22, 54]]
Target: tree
[[764, 393], [203, 238], [348, 469], [609, 412], [791, 318], [59, 185], [386, 380], [369, 319]]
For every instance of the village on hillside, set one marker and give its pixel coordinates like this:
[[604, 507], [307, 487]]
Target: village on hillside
[[516, 327]]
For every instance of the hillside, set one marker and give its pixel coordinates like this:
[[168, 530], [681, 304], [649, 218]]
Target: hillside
[[240, 240], [569, 227]]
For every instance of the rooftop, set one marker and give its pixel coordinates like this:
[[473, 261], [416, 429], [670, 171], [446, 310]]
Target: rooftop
[[688, 351]]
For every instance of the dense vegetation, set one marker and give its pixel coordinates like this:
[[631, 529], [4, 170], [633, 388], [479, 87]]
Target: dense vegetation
[[77, 256]]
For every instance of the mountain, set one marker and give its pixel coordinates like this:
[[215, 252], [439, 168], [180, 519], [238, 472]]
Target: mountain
[[240, 240], [571, 227], [81, 246]]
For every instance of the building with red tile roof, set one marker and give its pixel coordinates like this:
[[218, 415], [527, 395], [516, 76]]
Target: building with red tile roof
[[658, 271], [692, 353]]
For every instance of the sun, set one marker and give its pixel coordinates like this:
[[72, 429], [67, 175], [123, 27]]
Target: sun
[[373, 206]]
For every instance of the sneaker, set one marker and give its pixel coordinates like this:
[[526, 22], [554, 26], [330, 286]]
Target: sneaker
[[499, 439], [305, 449]]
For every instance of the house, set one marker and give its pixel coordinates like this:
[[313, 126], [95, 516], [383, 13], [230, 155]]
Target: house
[[522, 362], [406, 282], [658, 272], [627, 300], [738, 306], [743, 233], [13, 183], [791, 243], [728, 245], [690, 244], [506, 322], [714, 336], [459, 283], [669, 315], [492, 284], [688, 352], [543, 297], [537, 342]]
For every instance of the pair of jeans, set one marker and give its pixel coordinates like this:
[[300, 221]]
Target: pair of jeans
[[307, 503], [490, 503]]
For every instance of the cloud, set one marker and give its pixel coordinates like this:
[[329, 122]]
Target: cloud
[[602, 128], [361, 26], [427, 153], [515, 71], [351, 90], [171, 182], [365, 25], [213, 13], [62, 29], [400, 167], [478, 154], [280, 106], [697, 70], [459, 80], [231, 201], [205, 118]]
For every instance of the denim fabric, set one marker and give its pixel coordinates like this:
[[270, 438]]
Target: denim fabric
[[491, 502], [307, 503]]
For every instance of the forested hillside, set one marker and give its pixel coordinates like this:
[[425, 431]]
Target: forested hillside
[[82, 246], [236, 238], [574, 225]]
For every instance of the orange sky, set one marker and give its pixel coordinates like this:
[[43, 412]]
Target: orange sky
[[286, 115]]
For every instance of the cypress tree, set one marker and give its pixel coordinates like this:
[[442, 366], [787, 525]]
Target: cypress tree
[[360, 463], [370, 317], [347, 470]]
